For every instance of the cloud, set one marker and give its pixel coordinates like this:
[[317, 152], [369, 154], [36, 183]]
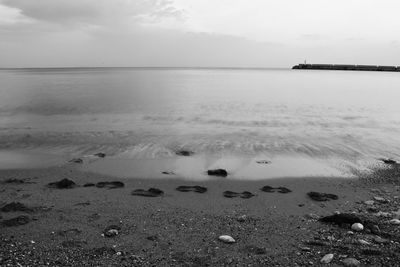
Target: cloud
[[96, 12]]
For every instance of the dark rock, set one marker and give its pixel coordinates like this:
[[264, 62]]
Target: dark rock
[[152, 238], [17, 221], [342, 218], [15, 206], [110, 185], [100, 155], [63, 184], [185, 153], [244, 194], [88, 185], [168, 173], [280, 189], [195, 188], [152, 192], [82, 204], [321, 196], [218, 172], [76, 160]]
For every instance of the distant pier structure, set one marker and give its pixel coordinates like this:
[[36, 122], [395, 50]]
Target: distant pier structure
[[345, 67]]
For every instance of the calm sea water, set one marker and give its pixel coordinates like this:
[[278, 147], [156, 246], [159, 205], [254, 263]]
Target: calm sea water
[[150, 113]]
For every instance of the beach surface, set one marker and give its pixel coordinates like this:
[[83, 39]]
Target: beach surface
[[67, 227]]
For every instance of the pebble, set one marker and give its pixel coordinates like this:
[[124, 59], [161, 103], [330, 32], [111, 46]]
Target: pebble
[[350, 232], [395, 221], [383, 214], [363, 242], [327, 258], [380, 240], [381, 199], [357, 227], [242, 218], [111, 233], [369, 202], [226, 239], [351, 262]]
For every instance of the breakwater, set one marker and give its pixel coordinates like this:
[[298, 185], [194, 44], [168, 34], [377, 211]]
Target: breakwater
[[345, 67]]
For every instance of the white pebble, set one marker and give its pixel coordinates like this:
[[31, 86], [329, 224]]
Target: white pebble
[[357, 227], [351, 262], [395, 221], [327, 258], [369, 202], [226, 239]]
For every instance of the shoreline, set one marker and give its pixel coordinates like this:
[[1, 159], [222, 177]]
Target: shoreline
[[178, 228]]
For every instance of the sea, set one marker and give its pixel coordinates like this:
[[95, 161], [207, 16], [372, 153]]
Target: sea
[[256, 123]]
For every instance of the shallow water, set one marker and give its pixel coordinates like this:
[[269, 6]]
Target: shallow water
[[334, 118]]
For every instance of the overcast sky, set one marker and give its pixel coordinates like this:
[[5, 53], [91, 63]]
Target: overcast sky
[[206, 33]]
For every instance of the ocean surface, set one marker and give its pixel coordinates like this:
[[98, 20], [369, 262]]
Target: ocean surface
[[305, 122]]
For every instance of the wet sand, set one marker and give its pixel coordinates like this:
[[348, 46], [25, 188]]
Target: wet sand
[[178, 228]]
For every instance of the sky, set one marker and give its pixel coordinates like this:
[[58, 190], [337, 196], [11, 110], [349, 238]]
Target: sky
[[198, 33]]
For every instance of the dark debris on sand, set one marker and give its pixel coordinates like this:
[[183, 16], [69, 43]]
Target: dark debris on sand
[[194, 188], [151, 192], [280, 189], [16, 221], [110, 185], [218, 172], [16, 206], [244, 194], [63, 184], [185, 153], [322, 196]]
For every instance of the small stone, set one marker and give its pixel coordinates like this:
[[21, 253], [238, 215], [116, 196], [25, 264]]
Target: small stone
[[226, 239], [369, 202], [357, 227], [327, 258], [111, 231], [351, 262], [305, 248], [350, 232], [242, 218], [381, 199], [380, 240], [383, 214], [395, 221], [363, 242]]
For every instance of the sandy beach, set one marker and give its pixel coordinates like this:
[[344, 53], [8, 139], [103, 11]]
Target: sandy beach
[[65, 227]]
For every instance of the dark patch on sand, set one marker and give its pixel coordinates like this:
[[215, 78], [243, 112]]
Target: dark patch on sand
[[263, 161], [110, 185], [322, 196], [280, 189], [63, 184], [194, 188], [16, 206], [17, 221], [244, 194], [168, 173], [342, 218], [151, 192], [89, 185], [76, 160], [185, 153], [100, 155], [218, 172]]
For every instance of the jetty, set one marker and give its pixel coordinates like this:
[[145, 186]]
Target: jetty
[[345, 67]]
